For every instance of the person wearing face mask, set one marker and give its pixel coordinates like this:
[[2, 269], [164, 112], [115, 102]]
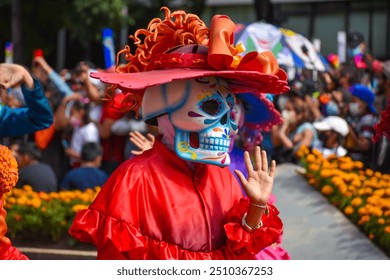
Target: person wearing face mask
[[83, 129], [361, 118], [332, 108], [296, 130], [332, 132]]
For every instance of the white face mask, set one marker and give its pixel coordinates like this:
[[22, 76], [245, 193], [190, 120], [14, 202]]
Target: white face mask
[[354, 109], [199, 123]]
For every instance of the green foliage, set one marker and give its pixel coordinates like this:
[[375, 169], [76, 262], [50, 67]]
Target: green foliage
[[89, 17], [83, 20]]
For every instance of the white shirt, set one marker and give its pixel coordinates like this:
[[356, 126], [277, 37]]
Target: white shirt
[[82, 135]]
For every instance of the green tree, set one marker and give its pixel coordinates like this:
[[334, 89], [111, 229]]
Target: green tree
[[40, 21]]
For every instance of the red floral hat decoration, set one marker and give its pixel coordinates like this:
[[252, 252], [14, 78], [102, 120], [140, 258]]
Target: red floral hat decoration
[[156, 60]]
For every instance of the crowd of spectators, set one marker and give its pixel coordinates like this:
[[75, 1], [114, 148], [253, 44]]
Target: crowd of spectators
[[332, 111], [336, 112], [84, 126]]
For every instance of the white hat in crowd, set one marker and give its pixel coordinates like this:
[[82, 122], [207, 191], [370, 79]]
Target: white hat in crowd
[[334, 123]]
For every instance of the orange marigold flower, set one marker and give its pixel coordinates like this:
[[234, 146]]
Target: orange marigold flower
[[314, 167], [364, 219], [356, 183], [376, 211], [310, 158], [358, 164], [343, 188], [8, 170], [325, 173], [312, 181], [36, 202], [28, 188], [363, 211], [386, 177], [347, 194], [369, 172], [387, 229], [349, 210], [44, 196], [317, 153], [327, 190], [356, 201]]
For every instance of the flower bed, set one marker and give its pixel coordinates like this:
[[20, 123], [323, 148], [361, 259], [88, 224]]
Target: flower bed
[[41, 216], [363, 195]]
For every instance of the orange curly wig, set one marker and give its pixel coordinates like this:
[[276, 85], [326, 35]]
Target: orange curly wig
[[177, 28]]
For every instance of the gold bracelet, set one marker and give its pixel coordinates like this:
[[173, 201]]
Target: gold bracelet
[[265, 207], [248, 227]]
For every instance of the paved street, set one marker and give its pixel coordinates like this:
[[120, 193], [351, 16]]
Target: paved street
[[313, 228]]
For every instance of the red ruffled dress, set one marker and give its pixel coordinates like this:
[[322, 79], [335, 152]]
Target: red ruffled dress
[[155, 206]]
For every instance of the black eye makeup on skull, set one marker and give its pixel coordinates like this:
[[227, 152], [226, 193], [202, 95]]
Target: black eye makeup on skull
[[211, 105]]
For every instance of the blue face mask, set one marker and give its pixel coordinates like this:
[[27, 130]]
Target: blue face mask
[[332, 109]]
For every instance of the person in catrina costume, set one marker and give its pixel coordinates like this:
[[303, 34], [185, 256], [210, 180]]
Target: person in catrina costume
[[176, 200]]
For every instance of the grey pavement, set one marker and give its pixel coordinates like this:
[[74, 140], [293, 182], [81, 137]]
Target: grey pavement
[[313, 228]]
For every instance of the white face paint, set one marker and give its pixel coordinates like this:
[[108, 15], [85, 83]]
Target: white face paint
[[200, 111]]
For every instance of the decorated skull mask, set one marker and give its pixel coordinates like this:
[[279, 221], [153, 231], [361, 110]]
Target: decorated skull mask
[[200, 112]]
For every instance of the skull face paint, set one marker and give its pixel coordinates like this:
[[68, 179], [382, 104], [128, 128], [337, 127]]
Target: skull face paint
[[200, 112], [204, 124]]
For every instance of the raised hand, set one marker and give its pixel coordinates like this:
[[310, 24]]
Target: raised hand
[[141, 142], [258, 186], [13, 74]]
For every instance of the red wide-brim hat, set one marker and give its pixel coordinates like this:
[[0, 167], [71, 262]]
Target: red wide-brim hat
[[171, 59], [239, 81]]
